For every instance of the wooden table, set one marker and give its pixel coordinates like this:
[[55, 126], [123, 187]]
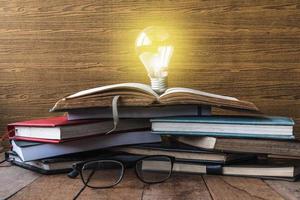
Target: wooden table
[[18, 183]]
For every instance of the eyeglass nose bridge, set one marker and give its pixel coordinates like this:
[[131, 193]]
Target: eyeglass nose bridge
[[79, 167]]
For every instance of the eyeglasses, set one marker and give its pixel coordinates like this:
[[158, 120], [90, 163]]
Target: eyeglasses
[[106, 173]]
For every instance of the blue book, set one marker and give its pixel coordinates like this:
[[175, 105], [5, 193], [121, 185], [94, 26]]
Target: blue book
[[226, 126], [28, 151]]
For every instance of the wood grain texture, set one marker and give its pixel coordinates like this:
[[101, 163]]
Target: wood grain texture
[[288, 190], [179, 186], [246, 49], [50, 187], [61, 187], [231, 188], [13, 179]]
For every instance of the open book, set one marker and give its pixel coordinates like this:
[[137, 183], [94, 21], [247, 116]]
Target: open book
[[137, 94]]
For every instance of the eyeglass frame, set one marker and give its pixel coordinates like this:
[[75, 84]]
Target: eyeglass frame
[[79, 167]]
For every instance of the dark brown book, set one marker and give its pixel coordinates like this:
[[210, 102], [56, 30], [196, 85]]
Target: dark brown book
[[258, 146], [137, 94]]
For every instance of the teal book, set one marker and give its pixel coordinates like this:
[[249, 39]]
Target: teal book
[[226, 126]]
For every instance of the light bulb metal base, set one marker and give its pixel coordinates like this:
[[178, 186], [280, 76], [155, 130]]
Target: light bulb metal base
[[159, 85]]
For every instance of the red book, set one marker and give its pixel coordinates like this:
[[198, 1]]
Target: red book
[[59, 129]]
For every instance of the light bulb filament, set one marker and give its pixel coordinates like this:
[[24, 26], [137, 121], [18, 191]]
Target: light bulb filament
[[155, 52]]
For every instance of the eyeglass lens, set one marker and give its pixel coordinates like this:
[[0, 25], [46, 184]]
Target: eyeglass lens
[[154, 169], [101, 174]]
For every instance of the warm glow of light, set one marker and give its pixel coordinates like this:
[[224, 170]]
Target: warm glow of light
[[155, 51]]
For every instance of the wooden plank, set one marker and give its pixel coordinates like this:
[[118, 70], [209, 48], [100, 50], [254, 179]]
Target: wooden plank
[[289, 190], [231, 188], [247, 49], [13, 179], [50, 187], [62, 187], [178, 187]]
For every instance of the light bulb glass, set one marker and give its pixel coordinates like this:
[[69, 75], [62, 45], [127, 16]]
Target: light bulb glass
[[154, 49]]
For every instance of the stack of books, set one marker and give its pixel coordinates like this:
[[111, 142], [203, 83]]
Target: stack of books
[[178, 123]]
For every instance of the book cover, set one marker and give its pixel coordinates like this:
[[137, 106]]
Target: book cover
[[239, 145], [51, 122], [226, 135], [242, 120], [45, 122], [34, 151], [139, 112], [59, 129], [226, 126], [182, 152]]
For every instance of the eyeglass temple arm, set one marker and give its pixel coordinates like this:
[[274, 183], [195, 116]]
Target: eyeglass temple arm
[[73, 174], [75, 169]]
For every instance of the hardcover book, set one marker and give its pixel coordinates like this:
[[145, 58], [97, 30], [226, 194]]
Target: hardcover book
[[28, 151], [226, 126], [59, 129], [267, 169], [262, 146], [43, 166], [184, 153], [60, 164], [139, 112]]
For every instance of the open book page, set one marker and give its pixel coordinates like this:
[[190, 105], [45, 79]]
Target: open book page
[[197, 92], [137, 94], [126, 86]]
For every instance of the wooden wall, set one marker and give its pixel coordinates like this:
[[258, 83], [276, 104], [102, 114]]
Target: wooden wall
[[246, 49]]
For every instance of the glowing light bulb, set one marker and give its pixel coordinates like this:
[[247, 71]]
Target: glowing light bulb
[[155, 51]]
